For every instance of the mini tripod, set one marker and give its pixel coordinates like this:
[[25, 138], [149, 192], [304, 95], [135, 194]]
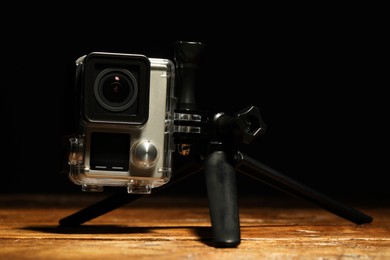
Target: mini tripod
[[214, 139]]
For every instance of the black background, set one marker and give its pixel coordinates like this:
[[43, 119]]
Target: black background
[[316, 74]]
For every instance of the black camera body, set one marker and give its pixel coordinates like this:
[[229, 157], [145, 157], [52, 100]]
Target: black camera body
[[125, 122]]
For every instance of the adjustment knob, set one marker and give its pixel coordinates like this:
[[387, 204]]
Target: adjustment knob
[[250, 124]]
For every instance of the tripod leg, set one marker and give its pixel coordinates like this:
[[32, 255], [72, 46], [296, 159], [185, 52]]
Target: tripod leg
[[222, 195], [119, 199], [100, 208], [279, 181]]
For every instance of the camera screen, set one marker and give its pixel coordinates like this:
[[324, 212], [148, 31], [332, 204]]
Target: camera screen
[[110, 151]]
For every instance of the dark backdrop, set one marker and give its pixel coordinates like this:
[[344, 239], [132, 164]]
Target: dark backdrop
[[316, 77]]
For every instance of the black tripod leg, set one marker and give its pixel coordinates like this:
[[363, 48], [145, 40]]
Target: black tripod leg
[[100, 208], [222, 195], [279, 181], [119, 199]]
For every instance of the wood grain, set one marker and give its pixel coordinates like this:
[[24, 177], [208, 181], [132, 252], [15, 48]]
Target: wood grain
[[179, 228]]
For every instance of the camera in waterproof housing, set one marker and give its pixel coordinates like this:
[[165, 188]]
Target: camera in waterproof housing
[[124, 122]]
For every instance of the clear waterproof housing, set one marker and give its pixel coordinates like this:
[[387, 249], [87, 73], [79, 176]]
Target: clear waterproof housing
[[125, 116]]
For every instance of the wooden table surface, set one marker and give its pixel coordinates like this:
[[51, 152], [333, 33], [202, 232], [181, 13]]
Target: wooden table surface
[[178, 227]]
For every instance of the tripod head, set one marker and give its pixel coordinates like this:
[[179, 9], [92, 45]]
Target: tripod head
[[207, 129]]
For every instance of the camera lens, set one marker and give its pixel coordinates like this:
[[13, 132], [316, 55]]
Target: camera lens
[[116, 89]]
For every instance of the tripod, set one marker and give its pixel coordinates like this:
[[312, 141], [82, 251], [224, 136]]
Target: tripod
[[216, 142]]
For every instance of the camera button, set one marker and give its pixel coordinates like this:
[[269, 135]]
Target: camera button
[[145, 154]]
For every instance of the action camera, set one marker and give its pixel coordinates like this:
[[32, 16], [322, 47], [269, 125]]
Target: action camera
[[124, 121]]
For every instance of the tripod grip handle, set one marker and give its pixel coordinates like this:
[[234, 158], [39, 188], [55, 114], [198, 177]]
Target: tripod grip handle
[[222, 196]]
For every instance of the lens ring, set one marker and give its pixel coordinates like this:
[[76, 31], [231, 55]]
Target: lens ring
[[116, 89]]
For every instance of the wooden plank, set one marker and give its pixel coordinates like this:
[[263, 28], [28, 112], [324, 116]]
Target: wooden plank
[[179, 228]]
